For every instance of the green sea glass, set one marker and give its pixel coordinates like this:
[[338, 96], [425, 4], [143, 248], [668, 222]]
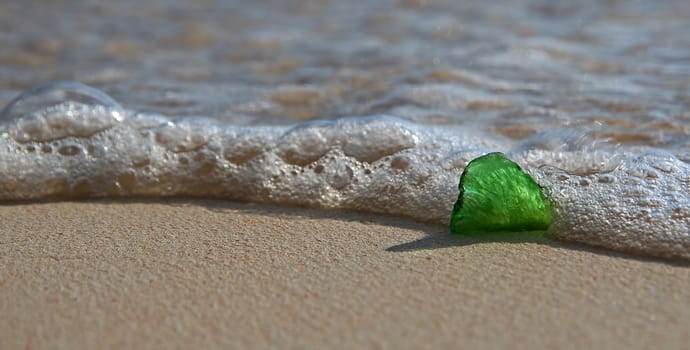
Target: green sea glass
[[496, 195]]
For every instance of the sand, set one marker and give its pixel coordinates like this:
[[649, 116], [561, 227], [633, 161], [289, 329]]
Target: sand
[[214, 274]]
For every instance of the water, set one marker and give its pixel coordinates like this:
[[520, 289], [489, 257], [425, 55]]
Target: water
[[360, 106]]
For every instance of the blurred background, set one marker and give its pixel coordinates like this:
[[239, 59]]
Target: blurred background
[[515, 68]]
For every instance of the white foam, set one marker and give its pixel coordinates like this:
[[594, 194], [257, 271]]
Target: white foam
[[621, 198]]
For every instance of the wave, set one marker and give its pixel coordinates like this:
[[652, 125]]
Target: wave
[[67, 140]]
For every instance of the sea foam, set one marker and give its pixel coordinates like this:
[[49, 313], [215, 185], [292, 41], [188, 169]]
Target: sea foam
[[66, 140]]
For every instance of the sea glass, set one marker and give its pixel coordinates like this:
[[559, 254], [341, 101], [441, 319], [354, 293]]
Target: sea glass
[[496, 195]]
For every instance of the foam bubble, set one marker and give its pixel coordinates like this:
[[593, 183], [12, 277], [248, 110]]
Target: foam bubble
[[364, 139], [58, 110]]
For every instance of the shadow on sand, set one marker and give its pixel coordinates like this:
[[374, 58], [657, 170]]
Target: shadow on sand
[[437, 236]]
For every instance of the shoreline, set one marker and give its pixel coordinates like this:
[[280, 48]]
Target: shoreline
[[191, 272]]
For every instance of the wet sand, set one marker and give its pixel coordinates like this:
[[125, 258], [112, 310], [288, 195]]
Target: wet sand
[[213, 274]]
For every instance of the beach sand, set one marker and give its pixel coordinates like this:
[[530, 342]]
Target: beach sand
[[212, 274]]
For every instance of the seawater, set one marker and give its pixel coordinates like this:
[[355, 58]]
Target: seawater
[[373, 107]]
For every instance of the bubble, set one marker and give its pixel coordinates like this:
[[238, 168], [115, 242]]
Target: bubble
[[306, 143], [204, 163], [242, 148], [69, 150], [401, 162], [365, 139], [642, 171], [636, 192], [183, 136], [606, 179], [51, 94], [58, 110], [340, 176], [651, 174], [371, 139]]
